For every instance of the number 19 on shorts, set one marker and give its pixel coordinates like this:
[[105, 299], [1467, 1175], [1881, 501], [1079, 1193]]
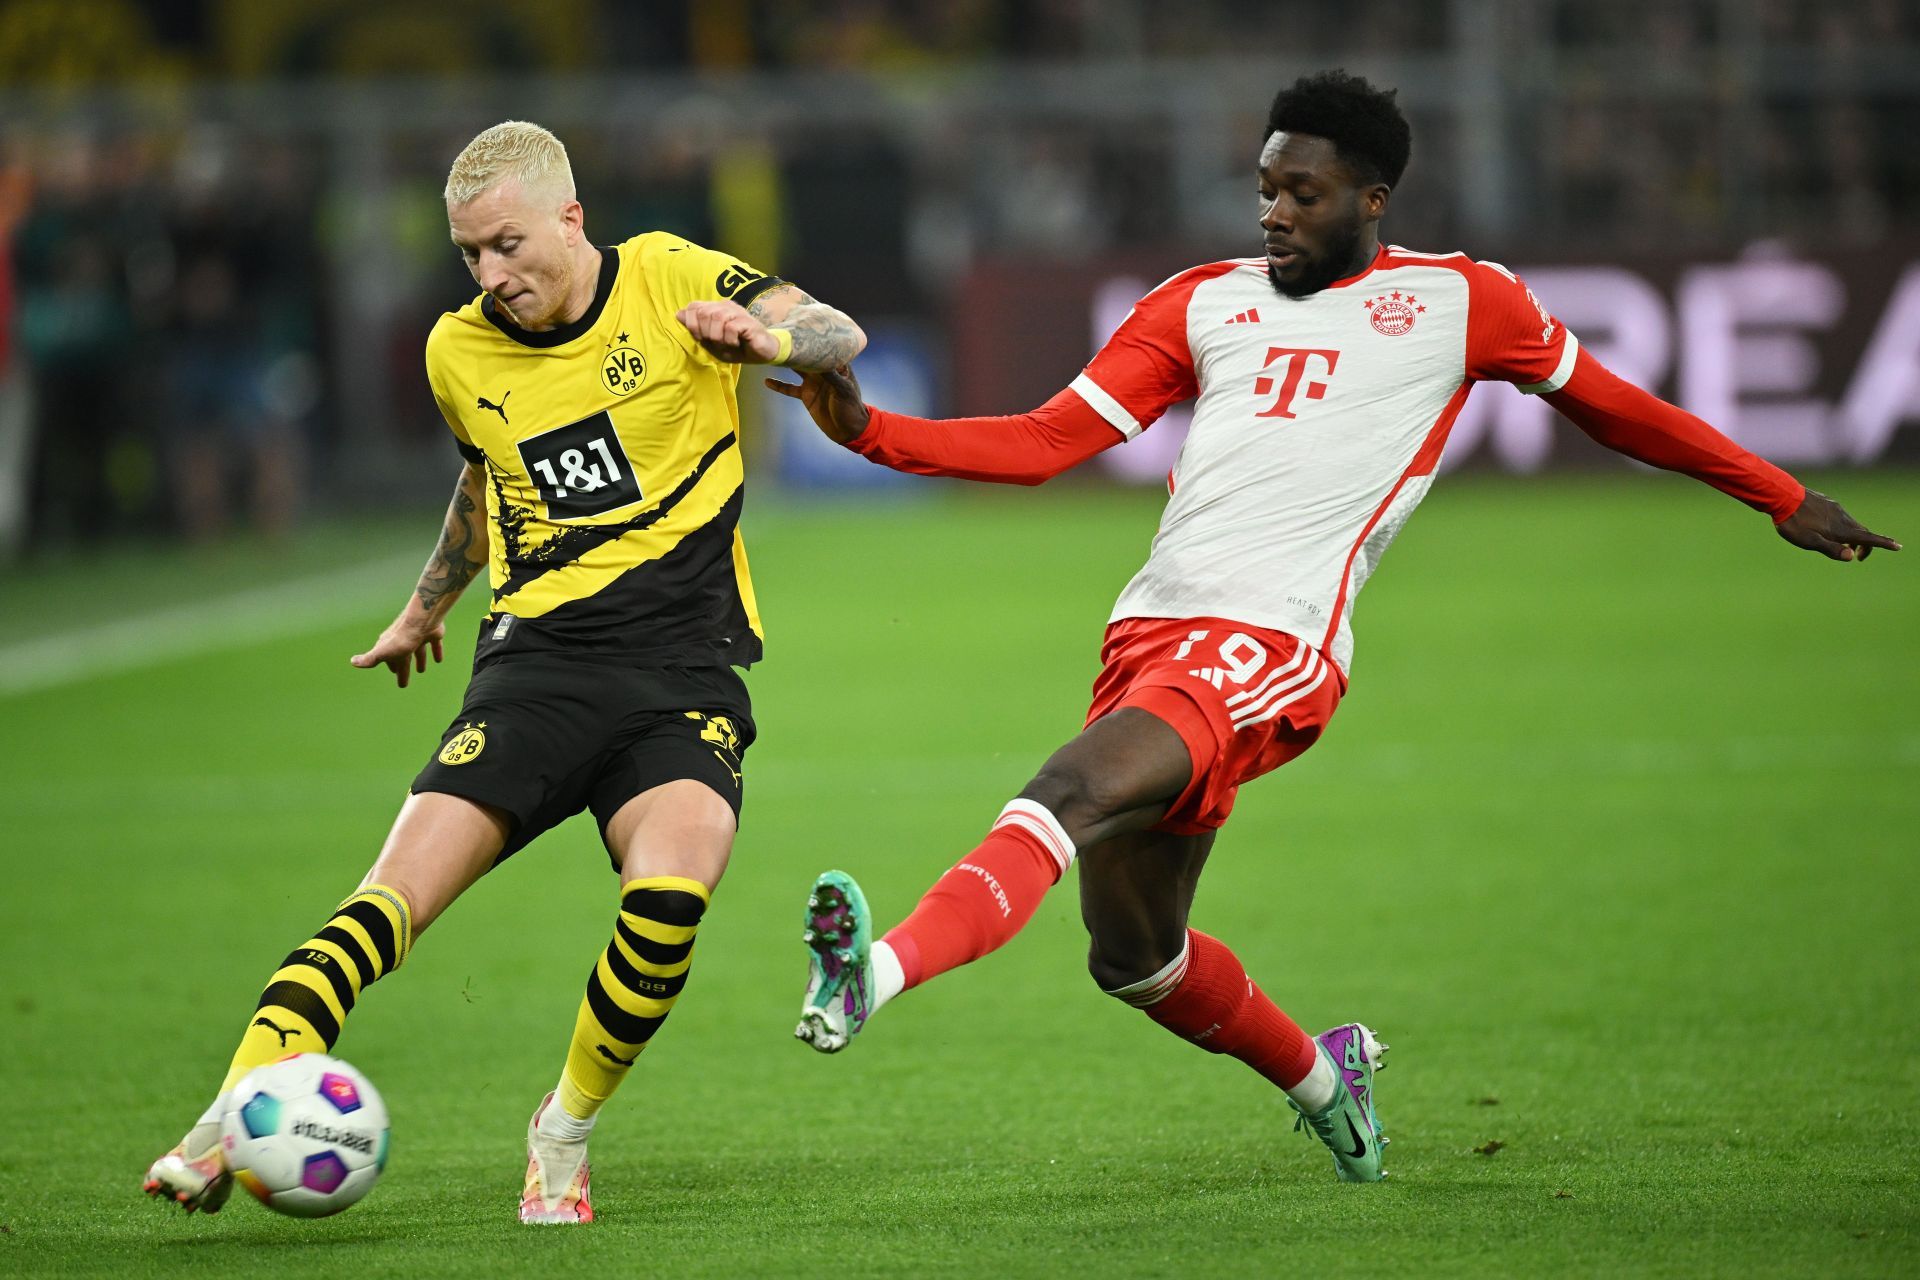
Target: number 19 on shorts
[[1241, 657]]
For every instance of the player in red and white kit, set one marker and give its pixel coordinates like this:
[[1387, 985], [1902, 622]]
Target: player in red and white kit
[[1328, 372]]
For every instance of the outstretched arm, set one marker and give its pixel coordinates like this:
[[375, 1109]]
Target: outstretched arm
[[1142, 369], [782, 326], [1642, 426], [460, 554], [1022, 448]]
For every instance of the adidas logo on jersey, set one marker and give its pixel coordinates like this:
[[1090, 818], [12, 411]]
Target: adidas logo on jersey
[[1250, 316]]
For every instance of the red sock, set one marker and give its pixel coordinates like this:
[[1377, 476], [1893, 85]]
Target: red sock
[[987, 897], [1211, 1001]]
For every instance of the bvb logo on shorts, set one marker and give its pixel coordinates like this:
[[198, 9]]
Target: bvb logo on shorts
[[622, 370], [464, 745]]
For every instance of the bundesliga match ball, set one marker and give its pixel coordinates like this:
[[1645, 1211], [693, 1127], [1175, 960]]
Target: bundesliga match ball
[[307, 1135]]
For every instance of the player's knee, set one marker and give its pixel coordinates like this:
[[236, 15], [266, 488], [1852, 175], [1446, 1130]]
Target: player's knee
[[422, 905], [1108, 973], [1080, 802], [1121, 971], [684, 828]]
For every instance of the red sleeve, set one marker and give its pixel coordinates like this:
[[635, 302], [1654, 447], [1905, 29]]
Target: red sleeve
[[1511, 337], [1023, 448], [1144, 368], [1639, 424]]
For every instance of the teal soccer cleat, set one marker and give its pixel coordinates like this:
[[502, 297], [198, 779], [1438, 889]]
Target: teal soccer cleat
[[839, 938], [1348, 1125]]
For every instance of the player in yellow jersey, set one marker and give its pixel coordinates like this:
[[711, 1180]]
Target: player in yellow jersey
[[591, 392]]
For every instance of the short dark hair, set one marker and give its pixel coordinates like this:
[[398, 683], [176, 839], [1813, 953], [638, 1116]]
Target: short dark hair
[[1363, 123]]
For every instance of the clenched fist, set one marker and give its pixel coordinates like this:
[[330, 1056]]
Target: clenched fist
[[729, 332]]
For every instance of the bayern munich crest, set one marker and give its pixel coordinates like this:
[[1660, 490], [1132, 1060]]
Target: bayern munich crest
[[1393, 313]]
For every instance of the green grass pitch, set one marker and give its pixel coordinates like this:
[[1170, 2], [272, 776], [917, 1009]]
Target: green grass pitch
[[1614, 839]]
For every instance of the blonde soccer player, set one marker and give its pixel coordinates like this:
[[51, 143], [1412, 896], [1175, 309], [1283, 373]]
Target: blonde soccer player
[[591, 393]]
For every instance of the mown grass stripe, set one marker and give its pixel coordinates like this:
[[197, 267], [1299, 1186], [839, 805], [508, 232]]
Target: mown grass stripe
[[194, 630]]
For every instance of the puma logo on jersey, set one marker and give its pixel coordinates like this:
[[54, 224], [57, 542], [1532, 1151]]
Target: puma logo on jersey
[[500, 408]]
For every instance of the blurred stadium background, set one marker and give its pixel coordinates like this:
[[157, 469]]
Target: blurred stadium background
[[224, 240]]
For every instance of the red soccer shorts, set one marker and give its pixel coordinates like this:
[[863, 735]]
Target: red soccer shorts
[[1244, 700]]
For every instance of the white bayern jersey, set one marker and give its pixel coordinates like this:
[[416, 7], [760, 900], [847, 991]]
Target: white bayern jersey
[[1318, 425]]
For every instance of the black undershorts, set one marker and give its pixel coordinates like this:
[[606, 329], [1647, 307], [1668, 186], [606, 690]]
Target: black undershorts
[[543, 737]]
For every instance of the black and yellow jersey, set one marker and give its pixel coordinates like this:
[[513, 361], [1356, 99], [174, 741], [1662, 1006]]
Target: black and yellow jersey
[[612, 453]]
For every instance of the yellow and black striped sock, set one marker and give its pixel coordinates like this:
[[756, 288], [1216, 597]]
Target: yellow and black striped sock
[[314, 988], [632, 988]]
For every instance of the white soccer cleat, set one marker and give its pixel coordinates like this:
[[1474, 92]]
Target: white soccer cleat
[[194, 1174], [823, 1022], [550, 1165]]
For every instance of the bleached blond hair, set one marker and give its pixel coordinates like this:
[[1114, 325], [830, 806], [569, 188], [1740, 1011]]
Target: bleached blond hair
[[511, 149]]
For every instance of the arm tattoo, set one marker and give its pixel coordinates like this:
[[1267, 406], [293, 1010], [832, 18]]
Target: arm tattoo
[[823, 338], [462, 537]]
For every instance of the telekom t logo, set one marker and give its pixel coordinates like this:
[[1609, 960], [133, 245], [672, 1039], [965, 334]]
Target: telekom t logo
[[1294, 362]]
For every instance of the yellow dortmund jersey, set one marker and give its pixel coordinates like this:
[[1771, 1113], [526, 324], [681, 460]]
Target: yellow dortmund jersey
[[613, 463]]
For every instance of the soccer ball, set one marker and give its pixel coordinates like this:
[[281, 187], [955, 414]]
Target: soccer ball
[[307, 1134]]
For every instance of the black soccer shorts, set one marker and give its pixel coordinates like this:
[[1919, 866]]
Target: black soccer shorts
[[543, 737]]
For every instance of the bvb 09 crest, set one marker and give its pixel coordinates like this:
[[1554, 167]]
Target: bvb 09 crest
[[465, 745], [622, 370]]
